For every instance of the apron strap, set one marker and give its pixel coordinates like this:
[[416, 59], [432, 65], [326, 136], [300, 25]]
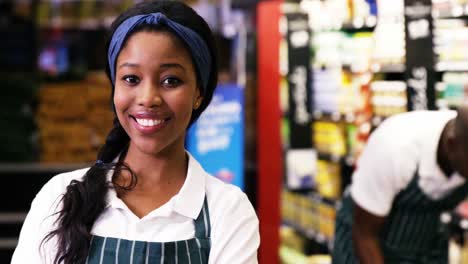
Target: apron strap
[[202, 223]]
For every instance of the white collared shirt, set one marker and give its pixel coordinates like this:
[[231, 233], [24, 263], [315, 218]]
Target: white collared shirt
[[399, 146], [234, 225]]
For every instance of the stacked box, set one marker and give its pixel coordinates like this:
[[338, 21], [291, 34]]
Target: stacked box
[[388, 97], [100, 116], [327, 220], [328, 179], [329, 138], [74, 119], [290, 207]]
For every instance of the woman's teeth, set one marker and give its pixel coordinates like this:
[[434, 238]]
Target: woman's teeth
[[149, 122]]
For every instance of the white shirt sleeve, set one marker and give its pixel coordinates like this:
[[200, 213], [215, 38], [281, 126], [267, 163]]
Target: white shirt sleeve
[[235, 233], [38, 223], [383, 170]]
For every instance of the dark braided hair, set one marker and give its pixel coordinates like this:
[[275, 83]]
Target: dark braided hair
[[85, 200]]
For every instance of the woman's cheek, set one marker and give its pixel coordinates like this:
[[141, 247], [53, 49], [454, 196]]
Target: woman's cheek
[[120, 100]]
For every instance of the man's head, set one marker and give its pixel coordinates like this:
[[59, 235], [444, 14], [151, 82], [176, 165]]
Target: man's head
[[457, 142]]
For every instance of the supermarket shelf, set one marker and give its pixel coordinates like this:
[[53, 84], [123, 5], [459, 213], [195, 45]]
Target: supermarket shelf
[[388, 68], [452, 11], [317, 197], [40, 167], [360, 24], [335, 117], [90, 24], [377, 120], [443, 104], [8, 243], [311, 234], [12, 217], [328, 201], [329, 157], [291, 256], [353, 68], [348, 160], [451, 66]]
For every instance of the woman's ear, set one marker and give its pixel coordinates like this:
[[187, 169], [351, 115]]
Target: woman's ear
[[197, 103]]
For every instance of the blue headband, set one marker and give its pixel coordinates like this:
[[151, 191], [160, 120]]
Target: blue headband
[[197, 46]]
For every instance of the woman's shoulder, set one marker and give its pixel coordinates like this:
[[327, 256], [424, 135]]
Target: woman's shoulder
[[57, 185], [217, 189], [234, 222], [62, 180], [218, 192], [226, 199]]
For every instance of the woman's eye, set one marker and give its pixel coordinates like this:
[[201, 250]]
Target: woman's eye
[[171, 82], [131, 79]]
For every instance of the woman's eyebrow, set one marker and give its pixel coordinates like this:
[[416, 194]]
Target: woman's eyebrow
[[129, 64]]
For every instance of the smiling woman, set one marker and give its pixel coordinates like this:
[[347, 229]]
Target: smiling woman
[[155, 92], [147, 200]]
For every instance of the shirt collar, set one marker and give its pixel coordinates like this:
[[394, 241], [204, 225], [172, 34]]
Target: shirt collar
[[428, 164], [188, 202]]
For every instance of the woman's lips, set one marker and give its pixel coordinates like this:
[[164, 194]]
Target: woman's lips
[[148, 122], [147, 125]]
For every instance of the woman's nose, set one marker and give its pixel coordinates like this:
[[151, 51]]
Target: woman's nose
[[149, 95]]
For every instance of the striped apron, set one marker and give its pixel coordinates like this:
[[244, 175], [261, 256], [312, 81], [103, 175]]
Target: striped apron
[[412, 232], [106, 250]]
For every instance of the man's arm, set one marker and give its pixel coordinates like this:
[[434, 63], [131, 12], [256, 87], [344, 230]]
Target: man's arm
[[385, 167], [366, 236]]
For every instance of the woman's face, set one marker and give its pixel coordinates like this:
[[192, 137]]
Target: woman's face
[[155, 91]]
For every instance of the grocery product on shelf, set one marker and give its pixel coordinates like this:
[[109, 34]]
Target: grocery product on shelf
[[336, 14], [327, 214], [388, 97], [83, 14], [73, 119], [452, 91], [450, 39], [328, 179], [310, 215], [449, 8], [326, 83], [389, 36], [329, 138]]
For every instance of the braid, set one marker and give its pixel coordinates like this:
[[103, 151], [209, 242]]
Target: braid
[[85, 200], [116, 141]]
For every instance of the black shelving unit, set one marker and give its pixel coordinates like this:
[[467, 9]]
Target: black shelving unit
[[334, 117], [420, 75], [452, 66], [388, 68], [360, 25], [451, 11], [346, 160], [316, 239], [21, 181]]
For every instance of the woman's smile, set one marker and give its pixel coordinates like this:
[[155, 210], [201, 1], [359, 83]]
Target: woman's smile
[[148, 125]]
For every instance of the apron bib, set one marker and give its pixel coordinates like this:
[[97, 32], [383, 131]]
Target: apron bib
[[109, 250]]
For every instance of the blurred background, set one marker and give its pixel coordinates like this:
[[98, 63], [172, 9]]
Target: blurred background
[[302, 86]]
